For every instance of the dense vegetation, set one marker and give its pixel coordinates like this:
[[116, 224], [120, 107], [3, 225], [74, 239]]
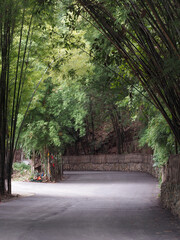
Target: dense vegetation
[[69, 68]]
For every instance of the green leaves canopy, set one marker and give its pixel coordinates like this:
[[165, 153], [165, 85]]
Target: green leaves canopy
[[147, 37]]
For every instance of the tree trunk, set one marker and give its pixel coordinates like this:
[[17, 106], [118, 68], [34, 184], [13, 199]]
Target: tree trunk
[[33, 162], [9, 170]]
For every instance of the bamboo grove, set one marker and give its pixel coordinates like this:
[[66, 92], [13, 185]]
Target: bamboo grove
[[144, 33], [11, 16], [16, 31], [148, 41]]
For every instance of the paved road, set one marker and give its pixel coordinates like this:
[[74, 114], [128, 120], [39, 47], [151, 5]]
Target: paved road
[[88, 206]]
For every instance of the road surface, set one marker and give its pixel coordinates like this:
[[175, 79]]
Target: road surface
[[88, 206]]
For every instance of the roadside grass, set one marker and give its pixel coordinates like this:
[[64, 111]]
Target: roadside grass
[[21, 172]]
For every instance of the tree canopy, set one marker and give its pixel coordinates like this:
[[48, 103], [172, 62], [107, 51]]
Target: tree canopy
[[146, 35]]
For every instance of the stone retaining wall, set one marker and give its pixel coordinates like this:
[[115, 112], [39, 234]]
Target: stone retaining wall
[[113, 162], [170, 188]]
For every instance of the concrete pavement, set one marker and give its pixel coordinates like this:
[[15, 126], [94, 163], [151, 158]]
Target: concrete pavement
[[88, 206]]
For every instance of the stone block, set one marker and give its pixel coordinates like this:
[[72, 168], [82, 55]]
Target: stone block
[[121, 158], [106, 167], [88, 166], [177, 207], [137, 160], [170, 197], [129, 158], [124, 167], [97, 159], [139, 167], [112, 158], [66, 167], [85, 159], [73, 159], [147, 158], [98, 167], [111, 167], [104, 158], [65, 160], [121, 167], [132, 167], [144, 167]]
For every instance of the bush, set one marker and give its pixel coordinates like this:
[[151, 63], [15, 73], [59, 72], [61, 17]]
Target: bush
[[159, 137], [21, 167]]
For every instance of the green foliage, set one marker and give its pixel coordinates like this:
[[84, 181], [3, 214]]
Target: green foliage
[[155, 132], [21, 167], [159, 137], [146, 37], [89, 84], [21, 172], [57, 118]]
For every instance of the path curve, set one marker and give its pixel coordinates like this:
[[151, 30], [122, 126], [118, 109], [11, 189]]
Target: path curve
[[88, 206]]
